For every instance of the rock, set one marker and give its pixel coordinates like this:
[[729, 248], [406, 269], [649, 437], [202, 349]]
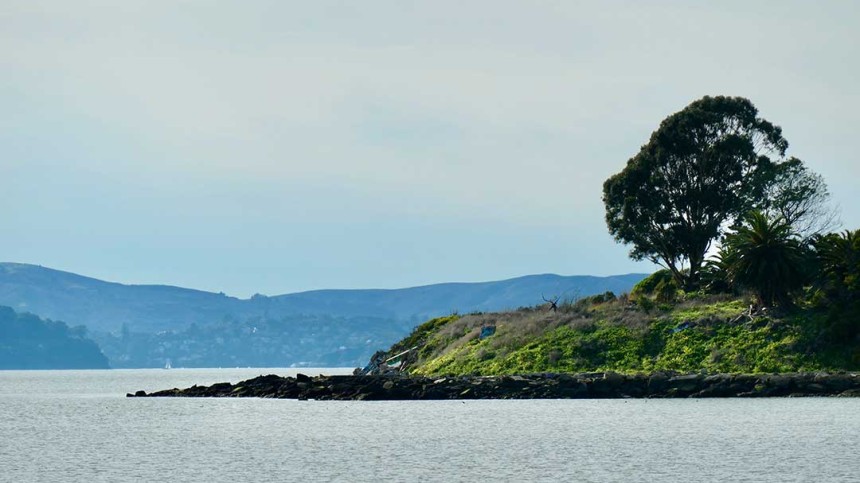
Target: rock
[[838, 382], [686, 384], [606, 386], [221, 387], [657, 382], [813, 388], [614, 379], [531, 386], [820, 377], [572, 390]]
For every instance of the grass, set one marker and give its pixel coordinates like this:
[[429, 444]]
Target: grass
[[706, 334]]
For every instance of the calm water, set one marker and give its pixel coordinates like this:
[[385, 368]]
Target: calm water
[[78, 426]]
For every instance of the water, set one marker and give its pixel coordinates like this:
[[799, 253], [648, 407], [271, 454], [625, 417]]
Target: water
[[77, 426]]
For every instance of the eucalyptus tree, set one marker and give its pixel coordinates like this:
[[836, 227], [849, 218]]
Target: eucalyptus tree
[[800, 197], [703, 167]]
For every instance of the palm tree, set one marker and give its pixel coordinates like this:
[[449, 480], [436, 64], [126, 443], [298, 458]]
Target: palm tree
[[765, 256], [838, 257], [838, 281]]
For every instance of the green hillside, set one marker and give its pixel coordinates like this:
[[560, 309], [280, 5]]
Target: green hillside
[[705, 333]]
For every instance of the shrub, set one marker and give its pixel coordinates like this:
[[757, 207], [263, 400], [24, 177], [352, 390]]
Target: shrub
[[715, 277], [644, 303], [838, 282], [649, 284], [765, 256], [666, 291]]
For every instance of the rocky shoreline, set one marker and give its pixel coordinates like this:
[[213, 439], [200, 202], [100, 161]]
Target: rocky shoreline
[[533, 386]]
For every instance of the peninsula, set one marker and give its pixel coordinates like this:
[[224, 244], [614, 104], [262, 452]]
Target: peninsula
[[775, 311]]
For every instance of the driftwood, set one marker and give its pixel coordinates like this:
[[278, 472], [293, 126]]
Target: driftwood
[[751, 314]]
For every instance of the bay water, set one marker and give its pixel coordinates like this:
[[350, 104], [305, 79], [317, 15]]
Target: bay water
[[78, 426]]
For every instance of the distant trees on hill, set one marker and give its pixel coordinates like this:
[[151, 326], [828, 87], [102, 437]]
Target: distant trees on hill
[[306, 340], [28, 342]]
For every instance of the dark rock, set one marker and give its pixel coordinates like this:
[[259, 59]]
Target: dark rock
[[686, 384], [813, 388], [532, 386], [780, 381], [657, 382]]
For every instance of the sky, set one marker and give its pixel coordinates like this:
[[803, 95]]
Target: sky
[[279, 146]]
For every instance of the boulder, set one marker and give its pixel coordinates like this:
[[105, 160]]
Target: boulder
[[686, 384], [657, 383]]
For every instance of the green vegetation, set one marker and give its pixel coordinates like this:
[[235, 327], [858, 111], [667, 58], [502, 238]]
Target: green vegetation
[[704, 168], [780, 296], [423, 337], [784, 306], [800, 197], [765, 256], [705, 333], [837, 285], [704, 165], [28, 342]]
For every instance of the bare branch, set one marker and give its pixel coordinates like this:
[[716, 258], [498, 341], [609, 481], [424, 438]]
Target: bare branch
[[553, 302]]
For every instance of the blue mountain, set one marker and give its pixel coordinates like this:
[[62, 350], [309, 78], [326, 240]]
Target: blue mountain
[[108, 306], [152, 325]]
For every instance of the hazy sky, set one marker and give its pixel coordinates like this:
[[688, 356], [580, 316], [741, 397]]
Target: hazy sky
[[275, 146]]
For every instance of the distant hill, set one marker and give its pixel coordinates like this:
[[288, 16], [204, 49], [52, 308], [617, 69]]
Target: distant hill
[[153, 325], [28, 342], [106, 306]]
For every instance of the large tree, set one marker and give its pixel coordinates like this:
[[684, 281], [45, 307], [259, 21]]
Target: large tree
[[703, 167], [800, 197]]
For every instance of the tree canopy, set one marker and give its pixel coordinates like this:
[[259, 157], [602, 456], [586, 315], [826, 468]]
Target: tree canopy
[[800, 197], [704, 166]]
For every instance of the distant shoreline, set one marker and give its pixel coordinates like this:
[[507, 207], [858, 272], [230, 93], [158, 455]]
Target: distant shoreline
[[596, 385]]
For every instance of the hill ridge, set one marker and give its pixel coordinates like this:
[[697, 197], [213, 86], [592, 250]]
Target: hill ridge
[[105, 306]]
